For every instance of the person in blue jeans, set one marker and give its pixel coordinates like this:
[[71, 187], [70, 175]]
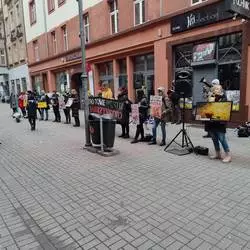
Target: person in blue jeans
[[217, 129], [166, 111]]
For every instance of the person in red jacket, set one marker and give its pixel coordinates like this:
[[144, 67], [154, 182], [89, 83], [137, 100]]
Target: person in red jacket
[[21, 101]]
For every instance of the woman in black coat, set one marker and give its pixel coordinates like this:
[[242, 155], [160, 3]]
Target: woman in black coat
[[123, 97], [143, 113], [75, 107], [32, 109]]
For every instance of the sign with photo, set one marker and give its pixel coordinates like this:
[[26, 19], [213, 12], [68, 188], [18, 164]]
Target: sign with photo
[[135, 114], [42, 105], [101, 106], [155, 106], [69, 102], [213, 111]]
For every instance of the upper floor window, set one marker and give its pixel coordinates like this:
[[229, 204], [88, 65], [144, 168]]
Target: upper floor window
[[32, 8], [65, 38], [36, 51], [114, 16], [86, 28], [193, 2], [51, 5], [61, 2], [139, 11], [2, 54], [54, 44]]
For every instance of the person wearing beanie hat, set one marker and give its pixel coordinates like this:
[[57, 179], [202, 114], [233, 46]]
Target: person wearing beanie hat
[[166, 111]]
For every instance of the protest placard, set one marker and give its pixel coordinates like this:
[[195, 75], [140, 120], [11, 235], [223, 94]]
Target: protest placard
[[155, 106], [135, 114]]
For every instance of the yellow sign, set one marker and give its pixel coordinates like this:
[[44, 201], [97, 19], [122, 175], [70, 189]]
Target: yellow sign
[[42, 105]]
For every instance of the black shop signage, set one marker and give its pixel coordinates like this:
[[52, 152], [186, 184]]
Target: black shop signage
[[200, 17], [101, 106], [240, 7]]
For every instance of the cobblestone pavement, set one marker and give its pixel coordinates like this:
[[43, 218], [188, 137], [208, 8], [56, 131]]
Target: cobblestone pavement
[[54, 195]]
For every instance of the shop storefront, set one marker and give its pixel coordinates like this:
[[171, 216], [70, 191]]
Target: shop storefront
[[144, 74], [62, 82]]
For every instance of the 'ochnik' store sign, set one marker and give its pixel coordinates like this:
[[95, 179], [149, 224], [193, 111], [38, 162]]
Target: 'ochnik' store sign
[[210, 14]]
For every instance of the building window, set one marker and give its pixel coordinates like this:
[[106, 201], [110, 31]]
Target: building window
[[193, 2], [139, 11], [114, 16], [65, 38], [36, 51], [2, 54], [54, 44], [51, 5], [86, 28], [32, 8], [61, 2]]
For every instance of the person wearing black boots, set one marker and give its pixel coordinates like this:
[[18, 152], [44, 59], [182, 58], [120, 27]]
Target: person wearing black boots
[[143, 113], [32, 110], [55, 104], [66, 110], [123, 97], [75, 107]]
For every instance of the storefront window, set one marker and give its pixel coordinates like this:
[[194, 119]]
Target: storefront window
[[61, 82], [106, 74]]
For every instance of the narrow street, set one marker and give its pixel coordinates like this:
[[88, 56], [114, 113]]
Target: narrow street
[[55, 195]]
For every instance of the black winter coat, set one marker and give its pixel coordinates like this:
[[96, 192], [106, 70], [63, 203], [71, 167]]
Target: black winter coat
[[126, 107], [75, 106], [31, 107]]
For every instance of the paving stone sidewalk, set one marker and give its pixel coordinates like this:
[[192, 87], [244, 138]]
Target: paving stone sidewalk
[[54, 195]]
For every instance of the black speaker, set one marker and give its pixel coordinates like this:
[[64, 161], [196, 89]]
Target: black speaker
[[183, 88]]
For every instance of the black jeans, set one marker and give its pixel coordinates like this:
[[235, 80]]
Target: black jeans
[[67, 115], [23, 111], [77, 121], [139, 131], [125, 128], [57, 113], [32, 121]]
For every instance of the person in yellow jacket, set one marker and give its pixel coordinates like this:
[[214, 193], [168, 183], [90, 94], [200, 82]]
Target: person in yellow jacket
[[106, 91]]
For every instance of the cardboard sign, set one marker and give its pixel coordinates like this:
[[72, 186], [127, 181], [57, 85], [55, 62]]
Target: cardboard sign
[[135, 114], [155, 106], [101, 106], [42, 105], [61, 102], [69, 102]]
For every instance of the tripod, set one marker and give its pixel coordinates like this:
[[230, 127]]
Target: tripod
[[186, 141]]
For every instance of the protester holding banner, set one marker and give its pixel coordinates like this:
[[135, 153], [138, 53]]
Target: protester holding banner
[[106, 91], [75, 107], [123, 97], [55, 105], [44, 105], [21, 103], [66, 109], [143, 114], [217, 129], [161, 109]]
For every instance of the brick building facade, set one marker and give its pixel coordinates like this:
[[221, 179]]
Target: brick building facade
[[146, 44]]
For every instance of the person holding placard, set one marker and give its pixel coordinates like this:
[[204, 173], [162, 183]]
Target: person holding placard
[[161, 117], [44, 99]]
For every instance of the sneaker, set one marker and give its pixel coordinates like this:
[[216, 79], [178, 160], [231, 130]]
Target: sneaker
[[121, 136], [152, 143], [217, 156], [126, 136], [163, 143], [227, 159]]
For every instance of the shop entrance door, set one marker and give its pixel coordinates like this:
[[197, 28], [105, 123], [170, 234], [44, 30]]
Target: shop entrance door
[[149, 86], [210, 72]]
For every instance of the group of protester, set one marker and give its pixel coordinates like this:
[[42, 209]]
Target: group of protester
[[28, 103], [170, 111]]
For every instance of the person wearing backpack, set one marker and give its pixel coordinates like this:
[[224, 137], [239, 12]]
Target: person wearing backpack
[[166, 111]]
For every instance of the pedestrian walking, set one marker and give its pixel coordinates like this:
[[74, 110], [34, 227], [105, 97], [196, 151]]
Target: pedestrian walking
[[143, 114], [13, 103], [166, 110], [217, 129], [123, 97], [75, 107], [32, 110], [66, 110], [21, 103], [55, 105]]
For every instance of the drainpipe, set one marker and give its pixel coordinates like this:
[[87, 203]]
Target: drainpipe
[[45, 25]]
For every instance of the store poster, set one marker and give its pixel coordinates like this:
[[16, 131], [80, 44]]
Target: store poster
[[156, 106], [234, 96]]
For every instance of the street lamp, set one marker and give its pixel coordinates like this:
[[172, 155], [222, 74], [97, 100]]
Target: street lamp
[[84, 76]]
